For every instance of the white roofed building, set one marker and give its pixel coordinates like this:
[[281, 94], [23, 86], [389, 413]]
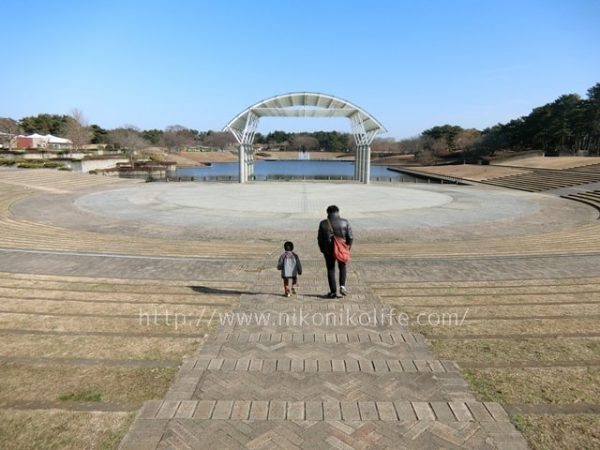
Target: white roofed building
[[58, 142], [47, 141]]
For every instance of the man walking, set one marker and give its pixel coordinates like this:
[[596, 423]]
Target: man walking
[[334, 225]]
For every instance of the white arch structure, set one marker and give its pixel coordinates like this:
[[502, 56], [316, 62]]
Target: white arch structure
[[305, 104]]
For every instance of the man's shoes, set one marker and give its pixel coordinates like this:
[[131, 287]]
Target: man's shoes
[[343, 291], [287, 294], [332, 295], [294, 290]]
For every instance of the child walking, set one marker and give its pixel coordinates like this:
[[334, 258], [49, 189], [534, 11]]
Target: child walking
[[290, 266]]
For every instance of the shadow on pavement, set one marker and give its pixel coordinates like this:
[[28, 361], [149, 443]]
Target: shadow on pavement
[[237, 293]]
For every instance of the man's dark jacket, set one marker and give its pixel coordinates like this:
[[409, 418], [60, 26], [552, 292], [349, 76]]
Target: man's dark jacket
[[341, 227]]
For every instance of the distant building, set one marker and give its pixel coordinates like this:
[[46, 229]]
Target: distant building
[[43, 142], [92, 163]]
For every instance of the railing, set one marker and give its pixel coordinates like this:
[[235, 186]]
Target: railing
[[431, 177], [376, 179]]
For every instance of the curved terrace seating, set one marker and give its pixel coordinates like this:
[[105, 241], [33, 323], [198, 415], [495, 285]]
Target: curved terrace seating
[[591, 198], [545, 179], [592, 168], [25, 234]]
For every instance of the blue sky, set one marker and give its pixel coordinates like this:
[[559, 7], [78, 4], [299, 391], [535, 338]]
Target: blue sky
[[411, 64]]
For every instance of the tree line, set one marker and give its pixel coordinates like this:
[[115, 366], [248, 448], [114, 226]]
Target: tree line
[[76, 128], [569, 124], [174, 137]]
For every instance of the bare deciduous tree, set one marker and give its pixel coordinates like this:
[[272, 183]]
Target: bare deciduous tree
[[351, 143], [176, 136], [304, 142], [11, 128], [78, 131], [411, 146], [468, 142], [385, 145], [440, 147], [129, 139], [466, 139], [218, 139]]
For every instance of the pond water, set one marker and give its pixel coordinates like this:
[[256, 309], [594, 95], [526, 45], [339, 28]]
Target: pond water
[[264, 170]]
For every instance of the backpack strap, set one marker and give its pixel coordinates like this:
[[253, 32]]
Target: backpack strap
[[331, 227]]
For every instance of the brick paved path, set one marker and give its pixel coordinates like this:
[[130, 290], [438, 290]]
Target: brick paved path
[[304, 383]]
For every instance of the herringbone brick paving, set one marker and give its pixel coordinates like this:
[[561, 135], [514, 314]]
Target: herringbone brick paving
[[309, 384]]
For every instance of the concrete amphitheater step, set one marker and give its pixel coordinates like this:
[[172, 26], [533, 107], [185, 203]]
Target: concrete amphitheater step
[[541, 180], [591, 198], [26, 234], [56, 181], [591, 168]]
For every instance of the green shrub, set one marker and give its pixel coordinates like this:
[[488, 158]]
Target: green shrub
[[520, 422], [30, 165], [7, 162], [68, 169], [53, 165]]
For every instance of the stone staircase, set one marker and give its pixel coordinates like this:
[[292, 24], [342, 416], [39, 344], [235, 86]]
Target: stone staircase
[[307, 373]]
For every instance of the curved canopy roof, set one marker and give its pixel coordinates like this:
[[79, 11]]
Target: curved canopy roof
[[305, 104]]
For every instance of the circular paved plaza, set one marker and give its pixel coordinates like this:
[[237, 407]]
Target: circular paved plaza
[[299, 205], [421, 212]]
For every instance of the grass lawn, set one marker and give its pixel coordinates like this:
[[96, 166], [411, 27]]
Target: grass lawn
[[65, 430]]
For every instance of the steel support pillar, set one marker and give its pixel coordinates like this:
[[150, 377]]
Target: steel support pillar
[[363, 164], [367, 179], [245, 151], [363, 139], [361, 173], [242, 164], [249, 162], [357, 160]]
